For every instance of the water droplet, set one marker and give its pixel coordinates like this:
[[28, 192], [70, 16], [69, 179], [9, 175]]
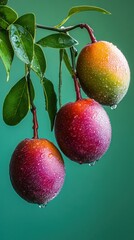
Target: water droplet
[[117, 67], [114, 107], [92, 164], [43, 205], [61, 41], [75, 116], [43, 155], [15, 38]]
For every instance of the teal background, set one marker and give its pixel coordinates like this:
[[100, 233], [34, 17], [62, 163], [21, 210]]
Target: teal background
[[96, 203]]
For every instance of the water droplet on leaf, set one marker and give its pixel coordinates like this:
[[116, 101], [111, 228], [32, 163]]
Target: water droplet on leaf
[[61, 41]]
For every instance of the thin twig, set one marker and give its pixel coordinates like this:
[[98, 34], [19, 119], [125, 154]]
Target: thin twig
[[33, 108]]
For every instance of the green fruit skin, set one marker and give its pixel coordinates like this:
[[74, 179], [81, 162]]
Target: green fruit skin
[[103, 72]]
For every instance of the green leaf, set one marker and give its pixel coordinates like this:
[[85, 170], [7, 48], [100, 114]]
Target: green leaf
[[16, 103], [6, 51], [22, 43], [39, 62], [50, 100], [57, 40], [3, 2], [28, 22], [7, 16], [83, 8], [67, 62], [61, 53]]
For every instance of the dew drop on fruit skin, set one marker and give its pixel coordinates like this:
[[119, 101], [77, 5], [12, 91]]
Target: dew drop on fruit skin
[[37, 171], [103, 72], [50, 155], [84, 138]]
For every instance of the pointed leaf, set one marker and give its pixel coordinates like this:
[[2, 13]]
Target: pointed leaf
[[28, 22], [7, 16], [67, 62], [3, 2], [50, 100], [57, 40], [61, 53], [22, 43], [6, 51], [16, 103], [39, 62], [82, 8]]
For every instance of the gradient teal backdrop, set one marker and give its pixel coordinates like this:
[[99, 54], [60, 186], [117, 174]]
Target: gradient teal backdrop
[[96, 203]]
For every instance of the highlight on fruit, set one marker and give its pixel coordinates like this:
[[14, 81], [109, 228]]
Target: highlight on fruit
[[82, 128], [37, 171], [103, 72]]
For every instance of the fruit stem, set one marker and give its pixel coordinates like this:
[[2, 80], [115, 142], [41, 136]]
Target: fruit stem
[[76, 83], [90, 31], [33, 108], [77, 88], [35, 122]]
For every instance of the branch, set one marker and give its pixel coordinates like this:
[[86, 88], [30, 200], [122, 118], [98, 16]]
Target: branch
[[33, 108], [67, 29]]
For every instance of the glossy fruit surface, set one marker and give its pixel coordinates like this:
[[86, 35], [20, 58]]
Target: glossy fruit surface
[[83, 130], [37, 170], [103, 72]]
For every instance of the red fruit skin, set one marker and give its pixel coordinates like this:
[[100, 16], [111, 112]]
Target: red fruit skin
[[83, 130], [37, 170]]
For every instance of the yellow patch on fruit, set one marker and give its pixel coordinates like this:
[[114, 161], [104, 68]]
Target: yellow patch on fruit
[[103, 72]]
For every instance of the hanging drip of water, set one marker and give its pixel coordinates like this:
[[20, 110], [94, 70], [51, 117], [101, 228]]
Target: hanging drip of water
[[43, 205], [113, 107], [92, 164]]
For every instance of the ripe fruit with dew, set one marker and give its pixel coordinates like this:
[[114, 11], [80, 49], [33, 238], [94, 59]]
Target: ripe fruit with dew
[[103, 72], [37, 170], [83, 130]]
